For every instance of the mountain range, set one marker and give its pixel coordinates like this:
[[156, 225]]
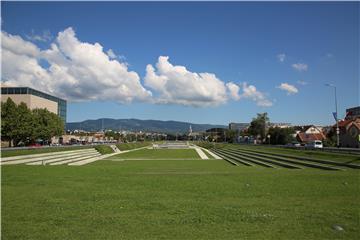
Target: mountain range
[[139, 125]]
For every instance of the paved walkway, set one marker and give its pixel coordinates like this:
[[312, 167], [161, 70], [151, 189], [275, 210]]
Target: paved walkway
[[201, 153], [211, 153], [86, 161]]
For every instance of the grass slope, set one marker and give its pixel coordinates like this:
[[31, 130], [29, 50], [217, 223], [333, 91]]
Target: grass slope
[[104, 149], [159, 154], [177, 200], [339, 157], [129, 146]]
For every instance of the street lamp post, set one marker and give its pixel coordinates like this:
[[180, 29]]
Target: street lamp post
[[336, 117]]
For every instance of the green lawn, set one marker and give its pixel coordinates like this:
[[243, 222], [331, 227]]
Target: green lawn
[[177, 200], [158, 154]]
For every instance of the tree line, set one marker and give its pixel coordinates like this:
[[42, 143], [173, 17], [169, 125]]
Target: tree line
[[261, 130], [22, 126]]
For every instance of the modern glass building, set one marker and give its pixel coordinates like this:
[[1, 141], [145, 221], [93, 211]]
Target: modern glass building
[[35, 99]]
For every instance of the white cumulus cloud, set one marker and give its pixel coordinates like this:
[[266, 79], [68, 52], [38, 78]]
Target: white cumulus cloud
[[301, 67], [177, 85], [281, 57], [82, 71], [70, 69], [17, 45], [111, 54], [44, 37], [250, 92], [290, 89], [233, 90]]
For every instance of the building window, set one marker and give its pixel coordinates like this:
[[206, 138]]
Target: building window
[[23, 91]]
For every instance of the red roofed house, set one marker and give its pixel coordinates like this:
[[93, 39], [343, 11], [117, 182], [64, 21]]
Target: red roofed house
[[311, 133], [349, 132]]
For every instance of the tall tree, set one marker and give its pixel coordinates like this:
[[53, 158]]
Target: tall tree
[[46, 125], [8, 120], [281, 135], [24, 124], [20, 124], [231, 135], [258, 125]]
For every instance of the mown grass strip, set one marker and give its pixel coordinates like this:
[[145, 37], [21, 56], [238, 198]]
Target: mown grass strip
[[286, 159], [248, 159], [158, 154], [338, 157], [321, 161]]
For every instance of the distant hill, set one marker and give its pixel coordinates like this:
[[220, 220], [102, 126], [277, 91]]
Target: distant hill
[[139, 125]]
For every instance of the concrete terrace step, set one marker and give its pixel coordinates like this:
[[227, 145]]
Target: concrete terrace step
[[228, 160], [71, 158], [232, 160], [271, 161], [43, 154], [90, 160], [115, 149], [48, 157], [288, 160], [212, 154], [244, 162], [74, 159], [349, 165], [264, 164], [200, 152], [86, 161]]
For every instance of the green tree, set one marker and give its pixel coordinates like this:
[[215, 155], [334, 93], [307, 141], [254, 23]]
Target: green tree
[[112, 134], [8, 120], [24, 125], [281, 135], [20, 124], [46, 125], [258, 125], [231, 135]]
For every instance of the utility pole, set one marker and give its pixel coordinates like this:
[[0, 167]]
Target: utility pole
[[336, 117]]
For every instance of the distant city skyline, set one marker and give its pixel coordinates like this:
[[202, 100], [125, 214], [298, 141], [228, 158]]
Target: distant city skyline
[[198, 62]]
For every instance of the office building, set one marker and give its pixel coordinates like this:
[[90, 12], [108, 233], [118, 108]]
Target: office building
[[35, 99]]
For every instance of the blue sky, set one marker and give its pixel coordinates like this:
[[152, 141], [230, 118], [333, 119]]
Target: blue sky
[[237, 41]]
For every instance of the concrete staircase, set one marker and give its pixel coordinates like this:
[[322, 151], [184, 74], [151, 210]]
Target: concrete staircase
[[55, 158]]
